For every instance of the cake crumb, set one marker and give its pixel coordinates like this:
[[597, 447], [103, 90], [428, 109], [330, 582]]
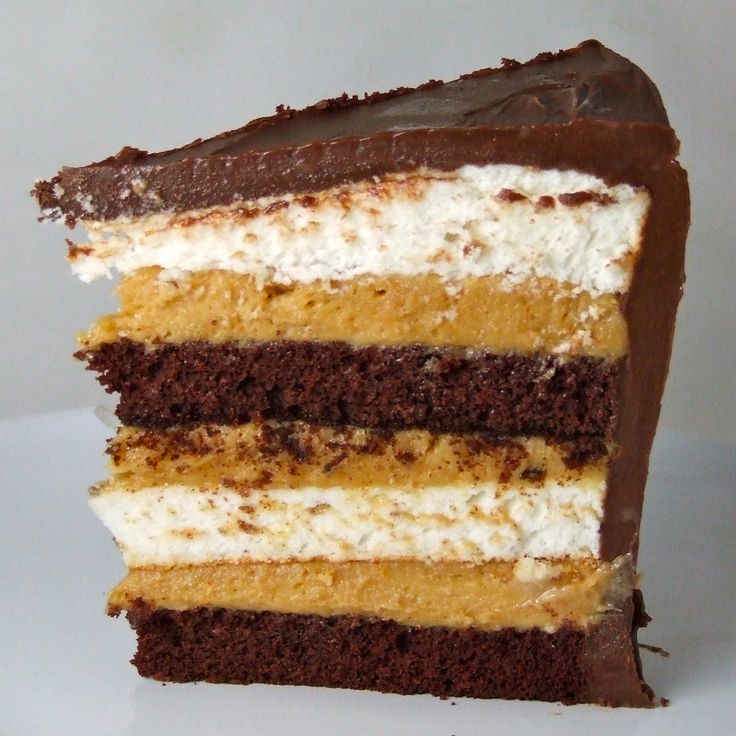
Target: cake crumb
[[655, 650]]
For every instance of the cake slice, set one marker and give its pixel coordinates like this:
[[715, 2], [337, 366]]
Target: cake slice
[[389, 373]]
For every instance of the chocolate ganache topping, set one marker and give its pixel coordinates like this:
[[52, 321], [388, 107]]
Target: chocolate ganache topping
[[484, 117]]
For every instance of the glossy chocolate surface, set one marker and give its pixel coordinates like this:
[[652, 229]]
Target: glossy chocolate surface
[[479, 118]]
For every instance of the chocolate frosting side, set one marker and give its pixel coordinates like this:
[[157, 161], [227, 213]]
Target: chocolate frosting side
[[650, 308], [493, 115]]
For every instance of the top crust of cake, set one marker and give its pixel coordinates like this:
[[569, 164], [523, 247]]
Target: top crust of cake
[[543, 113]]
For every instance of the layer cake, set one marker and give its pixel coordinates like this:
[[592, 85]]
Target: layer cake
[[389, 372]]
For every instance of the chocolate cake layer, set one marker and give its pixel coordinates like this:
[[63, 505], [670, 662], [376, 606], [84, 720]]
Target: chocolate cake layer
[[597, 665], [577, 106], [334, 383]]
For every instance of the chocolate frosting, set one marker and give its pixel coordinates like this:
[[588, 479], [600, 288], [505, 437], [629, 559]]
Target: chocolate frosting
[[478, 118]]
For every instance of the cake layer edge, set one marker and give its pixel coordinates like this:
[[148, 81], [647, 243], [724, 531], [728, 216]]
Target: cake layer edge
[[220, 645], [443, 390]]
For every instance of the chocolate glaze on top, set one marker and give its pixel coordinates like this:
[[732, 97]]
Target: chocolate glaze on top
[[588, 82], [440, 125]]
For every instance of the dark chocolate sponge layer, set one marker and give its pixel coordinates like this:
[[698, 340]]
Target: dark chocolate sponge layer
[[599, 665], [334, 383]]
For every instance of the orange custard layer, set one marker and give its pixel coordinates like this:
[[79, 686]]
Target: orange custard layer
[[540, 315], [294, 455], [524, 594]]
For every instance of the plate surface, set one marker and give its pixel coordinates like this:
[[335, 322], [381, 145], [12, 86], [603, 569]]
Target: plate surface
[[64, 665]]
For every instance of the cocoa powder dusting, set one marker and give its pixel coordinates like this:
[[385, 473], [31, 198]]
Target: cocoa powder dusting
[[533, 474], [509, 195], [576, 199], [280, 204]]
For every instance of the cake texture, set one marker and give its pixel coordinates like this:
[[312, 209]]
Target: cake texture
[[389, 370]]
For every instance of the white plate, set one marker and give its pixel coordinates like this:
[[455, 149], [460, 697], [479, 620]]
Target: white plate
[[64, 665]]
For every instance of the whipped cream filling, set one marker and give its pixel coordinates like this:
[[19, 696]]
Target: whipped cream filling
[[183, 524], [500, 219]]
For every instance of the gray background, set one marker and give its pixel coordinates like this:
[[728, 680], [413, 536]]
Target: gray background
[[81, 79]]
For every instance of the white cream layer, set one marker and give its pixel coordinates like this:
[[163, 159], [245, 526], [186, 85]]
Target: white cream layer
[[179, 525], [455, 224]]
